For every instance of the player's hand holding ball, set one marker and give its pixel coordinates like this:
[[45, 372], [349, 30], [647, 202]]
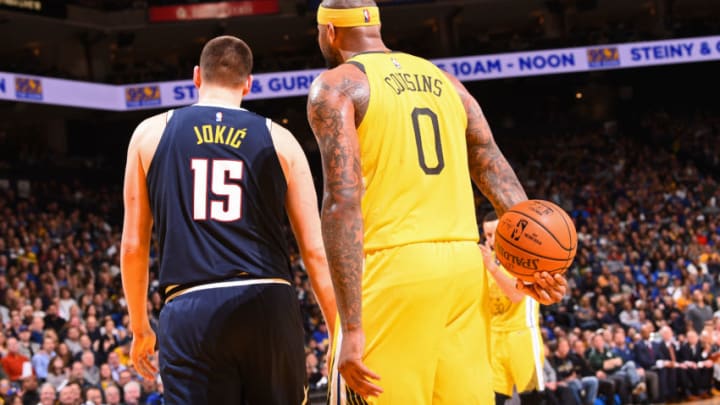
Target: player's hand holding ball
[[536, 242]]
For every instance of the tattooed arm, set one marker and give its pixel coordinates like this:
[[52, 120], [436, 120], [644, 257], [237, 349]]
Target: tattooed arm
[[493, 175], [489, 169], [331, 113], [337, 102]]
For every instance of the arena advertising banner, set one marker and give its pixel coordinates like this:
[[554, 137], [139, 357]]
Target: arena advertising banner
[[33, 89], [221, 9]]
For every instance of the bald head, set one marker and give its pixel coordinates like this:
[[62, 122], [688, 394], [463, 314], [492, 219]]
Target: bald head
[[226, 61], [338, 44]]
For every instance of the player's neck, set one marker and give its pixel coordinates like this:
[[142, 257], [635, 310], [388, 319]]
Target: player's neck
[[220, 96], [363, 45]]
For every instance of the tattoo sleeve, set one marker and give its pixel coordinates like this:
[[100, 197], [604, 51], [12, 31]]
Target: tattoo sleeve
[[489, 169], [331, 114]]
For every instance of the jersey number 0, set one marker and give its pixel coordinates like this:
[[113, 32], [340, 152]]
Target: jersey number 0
[[416, 114], [226, 209]]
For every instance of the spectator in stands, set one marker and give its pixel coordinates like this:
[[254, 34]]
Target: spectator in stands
[[147, 387], [606, 388], [624, 350], [115, 367], [6, 389], [112, 395], [109, 340], [131, 393], [66, 396], [57, 374], [125, 376], [667, 364], [556, 392], [92, 329], [63, 352], [29, 390], [608, 365], [72, 340], [583, 389], [47, 394], [65, 303], [76, 390], [77, 374], [26, 347], [643, 354], [52, 320], [13, 361], [630, 317], [37, 329], [91, 373], [106, 378], [93, 396], [41, 359], [86, 345], [156, 397], [698, 313], [696, 368]]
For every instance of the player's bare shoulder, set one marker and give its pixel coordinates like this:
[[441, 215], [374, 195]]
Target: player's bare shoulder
[[286, 146], [336, 88], [464, 94], [147, 135]]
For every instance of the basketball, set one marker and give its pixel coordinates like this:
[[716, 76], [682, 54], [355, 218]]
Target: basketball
[[535, 235]]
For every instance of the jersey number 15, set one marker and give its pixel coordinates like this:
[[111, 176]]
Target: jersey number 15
[[229, 207]]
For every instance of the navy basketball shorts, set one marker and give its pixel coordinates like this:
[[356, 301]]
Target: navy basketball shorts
[[234, 345]]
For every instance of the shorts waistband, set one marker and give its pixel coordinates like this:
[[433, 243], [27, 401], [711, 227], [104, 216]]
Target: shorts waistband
[[226, 284]]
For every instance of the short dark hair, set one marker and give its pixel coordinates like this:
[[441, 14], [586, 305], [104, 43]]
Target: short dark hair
[[226, 61], [490, 216]]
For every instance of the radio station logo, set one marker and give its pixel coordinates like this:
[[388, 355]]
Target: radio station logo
[[607, 56], [142, 96], [28, 89]]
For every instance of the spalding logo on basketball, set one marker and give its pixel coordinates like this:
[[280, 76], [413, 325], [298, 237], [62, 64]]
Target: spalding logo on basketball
[[535, 235]]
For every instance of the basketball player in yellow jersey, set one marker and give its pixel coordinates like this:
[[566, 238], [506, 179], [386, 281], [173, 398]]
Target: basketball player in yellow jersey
[[517, 353], [400, 141]]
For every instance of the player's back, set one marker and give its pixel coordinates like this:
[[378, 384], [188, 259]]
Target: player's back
[[217, 193], [413, 154]]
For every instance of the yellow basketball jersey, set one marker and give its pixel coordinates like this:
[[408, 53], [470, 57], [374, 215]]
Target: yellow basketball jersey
[[508, 316], [413, 155]]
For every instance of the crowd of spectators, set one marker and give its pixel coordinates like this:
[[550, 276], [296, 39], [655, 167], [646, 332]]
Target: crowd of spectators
[[643, 315], [63, 318], [642, 319]]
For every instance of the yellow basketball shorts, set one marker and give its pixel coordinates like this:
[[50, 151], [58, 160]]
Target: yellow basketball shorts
[[517, 359], [426, 333]]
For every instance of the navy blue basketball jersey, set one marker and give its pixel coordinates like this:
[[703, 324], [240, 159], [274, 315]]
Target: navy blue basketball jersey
[[217, 193]]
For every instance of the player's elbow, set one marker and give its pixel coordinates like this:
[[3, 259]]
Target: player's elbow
[[132, 247], [314, 257], [317, 266]]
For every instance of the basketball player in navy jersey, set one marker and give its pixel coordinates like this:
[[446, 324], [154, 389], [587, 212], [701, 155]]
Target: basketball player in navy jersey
[[216, 181]]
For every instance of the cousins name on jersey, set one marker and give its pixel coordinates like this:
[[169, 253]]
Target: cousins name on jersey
[[413, 82]]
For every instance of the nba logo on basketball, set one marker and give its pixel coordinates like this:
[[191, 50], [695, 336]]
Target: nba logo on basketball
[[519, 228], [366, 15]]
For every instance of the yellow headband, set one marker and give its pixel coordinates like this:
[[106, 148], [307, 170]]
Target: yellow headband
[[348, 17]]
